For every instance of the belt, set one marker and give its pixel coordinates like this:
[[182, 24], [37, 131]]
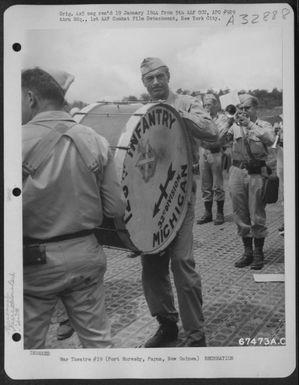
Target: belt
[[214, 150], [240, 163], [253, 166], [58, 238]]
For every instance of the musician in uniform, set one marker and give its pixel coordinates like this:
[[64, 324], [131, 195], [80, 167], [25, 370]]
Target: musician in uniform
[[69, 183], [155, 274], [250, 136], [278, 129], [211, 169]]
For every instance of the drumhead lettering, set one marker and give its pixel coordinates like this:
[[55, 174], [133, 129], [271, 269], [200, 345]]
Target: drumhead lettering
[[172, 207], [160, 117], [155, 171], [156, 176]]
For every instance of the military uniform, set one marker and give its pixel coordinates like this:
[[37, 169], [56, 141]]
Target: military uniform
[[211, 172], [279, 157], [245, 186], [62, 204], [155, 276], [278, 127]]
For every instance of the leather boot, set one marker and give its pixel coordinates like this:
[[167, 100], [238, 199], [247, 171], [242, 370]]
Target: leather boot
[[247, 256], [193, 343], [207, 217], [64, 330], [258, 254], [167, 332], [219, 216]]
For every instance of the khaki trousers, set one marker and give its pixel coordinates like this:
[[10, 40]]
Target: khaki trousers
[[74, 272], [248, 208], [211, 176], [157, 286]]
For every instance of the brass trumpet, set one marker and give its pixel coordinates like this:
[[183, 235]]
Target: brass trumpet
[[232, 112]]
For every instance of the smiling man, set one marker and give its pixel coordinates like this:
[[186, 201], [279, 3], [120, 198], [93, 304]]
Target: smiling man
[[179, 254]]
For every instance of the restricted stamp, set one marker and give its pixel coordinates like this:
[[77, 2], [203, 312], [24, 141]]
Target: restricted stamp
[[224, 49]]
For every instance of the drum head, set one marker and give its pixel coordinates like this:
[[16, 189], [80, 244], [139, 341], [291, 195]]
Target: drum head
[[107, 119], [156, 176]]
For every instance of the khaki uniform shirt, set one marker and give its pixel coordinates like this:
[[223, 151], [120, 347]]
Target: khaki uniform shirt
[[214, 147], [193, 112], [63, 197], [259, 135]]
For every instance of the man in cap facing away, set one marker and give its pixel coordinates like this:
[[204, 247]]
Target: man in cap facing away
[[69, 183], [250, 136], [211, 169], [155, 274]]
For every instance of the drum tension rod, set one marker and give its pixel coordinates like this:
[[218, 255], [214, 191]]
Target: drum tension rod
[[107, 113], [120, 147], [110, 229]]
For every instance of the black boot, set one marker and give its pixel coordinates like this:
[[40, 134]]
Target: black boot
[[167, 332], [207, 217], [247, 256], [219, 216], [193, 343], [64, 330], [258, 254]]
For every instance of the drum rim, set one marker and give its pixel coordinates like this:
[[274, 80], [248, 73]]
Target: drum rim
[[80, 115]]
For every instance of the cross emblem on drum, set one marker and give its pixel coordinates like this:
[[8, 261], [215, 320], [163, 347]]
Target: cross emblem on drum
[[147, 161]]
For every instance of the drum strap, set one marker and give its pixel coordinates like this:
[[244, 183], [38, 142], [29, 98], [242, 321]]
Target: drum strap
[[41, 152]]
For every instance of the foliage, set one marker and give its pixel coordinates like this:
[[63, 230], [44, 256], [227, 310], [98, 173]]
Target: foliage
[[145, 96], [130, 98], [267, 99], [76, 104]]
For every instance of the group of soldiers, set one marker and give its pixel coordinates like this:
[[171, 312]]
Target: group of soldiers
[[246, 142], [70, 184]]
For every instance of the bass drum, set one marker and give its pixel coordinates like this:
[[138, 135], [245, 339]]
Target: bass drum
[[154, 166]]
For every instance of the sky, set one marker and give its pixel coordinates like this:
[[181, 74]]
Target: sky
[[106, 62]]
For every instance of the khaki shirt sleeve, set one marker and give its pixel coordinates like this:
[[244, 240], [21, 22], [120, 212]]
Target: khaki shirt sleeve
[[113, 200], [263, 131], [225, 131], [199, 122]]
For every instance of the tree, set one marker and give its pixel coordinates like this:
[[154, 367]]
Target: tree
[[77, 103], [130, 98], [145, 97], [196, 94], [183, 92]]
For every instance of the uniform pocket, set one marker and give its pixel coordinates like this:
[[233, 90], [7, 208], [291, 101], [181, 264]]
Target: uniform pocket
[[257, 148]]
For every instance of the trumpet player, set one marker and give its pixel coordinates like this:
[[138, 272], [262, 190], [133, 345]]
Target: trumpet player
[[250, 136]]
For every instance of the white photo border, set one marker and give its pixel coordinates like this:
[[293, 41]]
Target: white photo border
[[25, 364]]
